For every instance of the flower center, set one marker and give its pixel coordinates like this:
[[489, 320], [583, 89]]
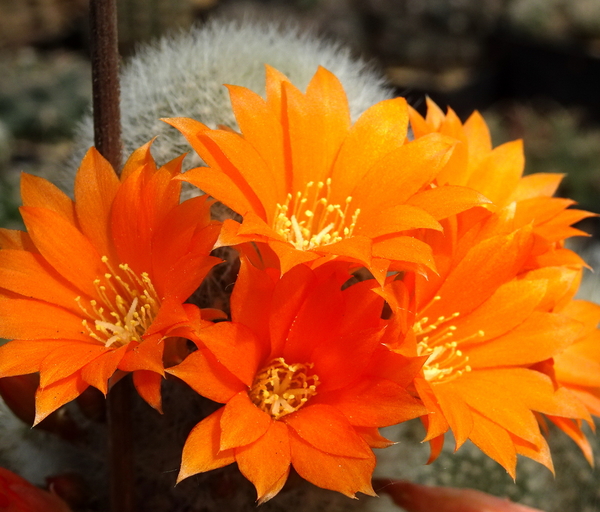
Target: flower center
[[308, 219], [127, 305], [436, 340], [280, 388]]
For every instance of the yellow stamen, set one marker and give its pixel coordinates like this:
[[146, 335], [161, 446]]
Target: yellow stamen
[[446, 361], [280, 388], [125, 306], [308, 219]]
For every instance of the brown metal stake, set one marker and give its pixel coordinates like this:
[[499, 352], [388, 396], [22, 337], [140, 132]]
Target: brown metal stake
[[107, 137]]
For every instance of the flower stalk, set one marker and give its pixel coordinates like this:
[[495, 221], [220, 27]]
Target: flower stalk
[[107, 138]]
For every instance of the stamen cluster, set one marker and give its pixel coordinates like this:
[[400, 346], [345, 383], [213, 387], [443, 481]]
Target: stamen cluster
[[127, 306], [308, 219], [280, 388], [435, 339]]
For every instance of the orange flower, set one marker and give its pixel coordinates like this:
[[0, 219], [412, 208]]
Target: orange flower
[[312, 187], [304, 379], [577, 369], [482, 329], [523, 203], [96, 285], [498, 175]]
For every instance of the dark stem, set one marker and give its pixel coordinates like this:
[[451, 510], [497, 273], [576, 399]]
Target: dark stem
[[120, 446], [105, 80], [107, 138]]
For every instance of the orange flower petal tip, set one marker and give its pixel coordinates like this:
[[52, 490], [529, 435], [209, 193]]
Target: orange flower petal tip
[[424, 498], [18, 495]]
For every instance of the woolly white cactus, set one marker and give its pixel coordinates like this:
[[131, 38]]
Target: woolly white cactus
[[183, 75]]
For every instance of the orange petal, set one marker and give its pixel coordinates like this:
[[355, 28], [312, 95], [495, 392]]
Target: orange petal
[[585, 312], [500, 172], [262, 129], [570, 427], [580, 363], [274, 81], [30, 275], [496, 403], [537, 185], [205, 375], [395, 219], [265, 461], [16, 240], [242, 422], [402, 173], [540, 453], [40, 193], [365, 304], [146, 355], [373, 438], [419, 126], [485, 266], [147, 385], [32, 319], [50, 398], [436, 444], [442, 202], [201, 451], [67, 360], [289, 256], [96, 185], [404, 248], [374, 403], [379, 131], [508, 307], [343, 474], [222, 187], [20, 357], [328, 430], [251, 298], [315, 322], [540, 337], [435, 116], [342, 359], [434, 422], [495, 442], [235, 347], [317, 124], [456, 412], [328, 122], [243, 164], [479, 140], [176, 231], [64, 247], [289, 294], [97, 372], [140, 159], [356, 248]]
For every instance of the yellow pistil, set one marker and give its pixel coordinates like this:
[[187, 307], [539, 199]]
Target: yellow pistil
[[435, 338], [126, 304], [308, 219], [280, 388]]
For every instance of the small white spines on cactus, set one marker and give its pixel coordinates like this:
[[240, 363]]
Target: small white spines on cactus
[[183, 76]]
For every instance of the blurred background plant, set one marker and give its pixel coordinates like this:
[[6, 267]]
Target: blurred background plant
[[531, 66]]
